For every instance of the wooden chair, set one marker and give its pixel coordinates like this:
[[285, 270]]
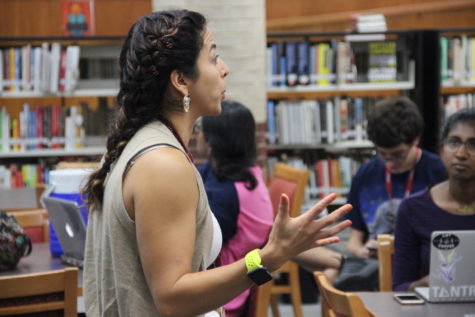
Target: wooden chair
[[292, 182], [335, 303], [47, 289], [35, 223], [385, 262]]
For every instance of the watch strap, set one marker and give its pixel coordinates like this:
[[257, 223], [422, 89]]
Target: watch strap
[[253, 260]]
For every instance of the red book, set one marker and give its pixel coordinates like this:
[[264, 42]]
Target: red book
[[55, 125], [62, 70], [39, 125]]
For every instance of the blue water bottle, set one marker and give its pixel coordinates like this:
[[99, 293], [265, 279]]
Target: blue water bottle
[[66, 184]]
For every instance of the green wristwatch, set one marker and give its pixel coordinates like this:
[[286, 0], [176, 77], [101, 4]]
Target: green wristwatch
[[255, 271]]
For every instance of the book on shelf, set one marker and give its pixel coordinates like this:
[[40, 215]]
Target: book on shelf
[[45, 82], [324, 63], [62, 71], [25, 175], [292, 63], [303, 63], [42, 69], [457, 59], [382, 61], [471, 59], [55, 61], [320, 122], [271, 129]]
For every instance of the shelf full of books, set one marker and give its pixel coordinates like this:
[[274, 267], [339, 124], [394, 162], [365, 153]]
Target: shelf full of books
[[57, 69], [53, 130], [331, 124], [321, 88], [348, 63], [457, 61]]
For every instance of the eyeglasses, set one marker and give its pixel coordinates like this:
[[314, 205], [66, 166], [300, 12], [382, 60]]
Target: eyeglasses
[[453, 144], [397, 156]]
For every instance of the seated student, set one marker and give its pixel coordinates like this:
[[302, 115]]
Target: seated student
[[449, 205], [238, 196], [400, 168]]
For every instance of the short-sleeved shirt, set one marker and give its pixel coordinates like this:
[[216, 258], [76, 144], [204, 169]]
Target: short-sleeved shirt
[[373, 210], [418, 217]]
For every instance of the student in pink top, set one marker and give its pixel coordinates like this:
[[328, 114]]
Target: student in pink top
[[237, 193]]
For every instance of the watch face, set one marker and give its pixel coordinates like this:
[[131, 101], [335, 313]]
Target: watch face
[[260, 275]]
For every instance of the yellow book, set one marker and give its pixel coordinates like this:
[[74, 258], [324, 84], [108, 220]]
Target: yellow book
[[15, 134], [323, 68]]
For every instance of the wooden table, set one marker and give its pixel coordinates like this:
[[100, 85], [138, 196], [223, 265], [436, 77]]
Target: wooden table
[[40, 260], [382, 304]]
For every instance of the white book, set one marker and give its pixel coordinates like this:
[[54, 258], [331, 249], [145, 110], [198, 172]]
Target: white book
[[36, 71], [281, 118], [307, 118], [269, 66], [55, 67], [72, 67], [317, 122], [45, 68]]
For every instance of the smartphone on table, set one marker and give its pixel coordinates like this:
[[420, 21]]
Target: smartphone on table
[[408, 298]]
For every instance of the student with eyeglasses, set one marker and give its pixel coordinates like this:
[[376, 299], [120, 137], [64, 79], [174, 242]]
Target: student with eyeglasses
[[399, 169], [449, 205]]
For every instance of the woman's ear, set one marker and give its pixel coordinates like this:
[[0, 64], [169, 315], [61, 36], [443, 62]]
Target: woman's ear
[[179, 82]]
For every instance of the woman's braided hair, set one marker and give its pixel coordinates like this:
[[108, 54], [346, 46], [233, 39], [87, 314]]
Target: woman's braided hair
[[156, 45]]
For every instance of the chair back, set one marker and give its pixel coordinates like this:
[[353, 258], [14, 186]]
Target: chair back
[[292, 182], [385, 262], [336, 303], [35, 222], [50, 291]]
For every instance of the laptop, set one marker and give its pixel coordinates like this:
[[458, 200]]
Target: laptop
[[69, 227], [452, 261]]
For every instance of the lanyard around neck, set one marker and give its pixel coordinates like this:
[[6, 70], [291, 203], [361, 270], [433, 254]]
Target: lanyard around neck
[[410, 179]]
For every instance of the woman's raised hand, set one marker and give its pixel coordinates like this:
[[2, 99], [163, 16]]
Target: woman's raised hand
[[291, 236]]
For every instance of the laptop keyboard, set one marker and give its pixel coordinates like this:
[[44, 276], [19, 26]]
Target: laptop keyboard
[[72, 261]]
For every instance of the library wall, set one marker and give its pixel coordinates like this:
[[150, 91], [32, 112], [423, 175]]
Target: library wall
[[305, 15], [43, 17]]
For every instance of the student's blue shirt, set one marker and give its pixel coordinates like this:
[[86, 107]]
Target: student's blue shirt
[[368, 190], [223, 201]]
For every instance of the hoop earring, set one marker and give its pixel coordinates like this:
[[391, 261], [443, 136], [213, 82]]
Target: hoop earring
[[186, 103]]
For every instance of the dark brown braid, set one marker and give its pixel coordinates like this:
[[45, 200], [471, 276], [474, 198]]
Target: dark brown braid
[[156, 45]]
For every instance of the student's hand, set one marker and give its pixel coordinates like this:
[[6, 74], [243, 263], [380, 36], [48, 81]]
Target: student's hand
[[372, 246], [291, 236], [362, 252], [423, 282]]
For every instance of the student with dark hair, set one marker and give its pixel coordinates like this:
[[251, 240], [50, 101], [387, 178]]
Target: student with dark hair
[[237, 193], [449, 205], [151, 235], [399, 169]]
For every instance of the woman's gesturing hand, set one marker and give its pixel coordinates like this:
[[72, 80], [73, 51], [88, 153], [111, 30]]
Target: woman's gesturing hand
[[291, 236]]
